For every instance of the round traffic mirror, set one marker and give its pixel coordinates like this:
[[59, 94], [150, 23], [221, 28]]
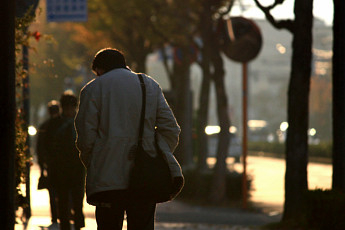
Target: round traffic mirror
[[243, 40]]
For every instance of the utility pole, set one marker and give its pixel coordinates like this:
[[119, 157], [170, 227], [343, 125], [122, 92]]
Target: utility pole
[[7, 115]]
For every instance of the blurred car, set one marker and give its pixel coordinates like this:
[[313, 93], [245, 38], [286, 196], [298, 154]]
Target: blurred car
[[235, 148]]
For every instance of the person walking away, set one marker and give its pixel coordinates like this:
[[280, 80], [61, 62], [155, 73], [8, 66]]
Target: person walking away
[[42, 153], [69, 173], [107, 125]]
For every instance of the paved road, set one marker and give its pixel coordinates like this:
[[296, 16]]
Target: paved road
[[268, 180]]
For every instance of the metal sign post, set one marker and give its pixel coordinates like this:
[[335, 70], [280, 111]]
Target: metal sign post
[[243, 45], [245, 127]]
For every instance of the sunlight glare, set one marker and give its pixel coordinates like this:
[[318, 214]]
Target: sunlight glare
[[284, 126], [32, 130], [209, 130]]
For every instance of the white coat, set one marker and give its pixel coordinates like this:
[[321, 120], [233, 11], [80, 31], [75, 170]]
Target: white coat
[[107, 125]]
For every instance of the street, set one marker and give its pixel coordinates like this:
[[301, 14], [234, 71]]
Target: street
[[268, 180]]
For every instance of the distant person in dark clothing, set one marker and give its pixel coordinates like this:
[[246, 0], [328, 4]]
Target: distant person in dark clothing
[[68, 171], [42, 152]]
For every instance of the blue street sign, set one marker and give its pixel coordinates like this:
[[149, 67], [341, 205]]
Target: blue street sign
[[66, 10]]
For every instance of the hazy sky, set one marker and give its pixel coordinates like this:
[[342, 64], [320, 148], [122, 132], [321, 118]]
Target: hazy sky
[[323, 9]]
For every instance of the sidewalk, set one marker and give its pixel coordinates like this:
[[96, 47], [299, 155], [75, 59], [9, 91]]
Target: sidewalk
[[172, 215]]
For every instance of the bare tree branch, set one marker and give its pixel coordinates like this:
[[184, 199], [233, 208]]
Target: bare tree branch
[[282, 24], [276, 2], [231, 3]]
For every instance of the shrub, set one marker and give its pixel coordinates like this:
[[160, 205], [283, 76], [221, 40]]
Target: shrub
[[198, 186], [325, 209], [22, 156], [275, 147], [323, 149]]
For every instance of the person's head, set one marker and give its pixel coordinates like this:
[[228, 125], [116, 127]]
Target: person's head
[[53, 108], [108, 59], [68, 103]]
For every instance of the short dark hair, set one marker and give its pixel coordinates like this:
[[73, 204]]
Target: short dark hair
[[108, 59], [53, 107], [68, 99]]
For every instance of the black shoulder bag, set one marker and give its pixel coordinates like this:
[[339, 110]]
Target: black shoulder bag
[[150, 177]]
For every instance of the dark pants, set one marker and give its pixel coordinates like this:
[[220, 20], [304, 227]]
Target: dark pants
[[140, 214], [52, 197], [65, 196], [68, 183], [53, 208]]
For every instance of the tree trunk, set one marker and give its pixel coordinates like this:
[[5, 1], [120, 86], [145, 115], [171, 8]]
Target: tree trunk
[[7, 115], [141, 65], [338, 96], [202, 140], [296, 182], [137, 55], [206, 35], [212, 66], [218, 189], [183, 109]]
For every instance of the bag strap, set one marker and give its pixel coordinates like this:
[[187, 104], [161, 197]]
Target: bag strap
[[142, 116]]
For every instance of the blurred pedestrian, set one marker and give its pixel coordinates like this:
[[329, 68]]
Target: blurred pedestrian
[[42, 154], [68, 171], [107, 125]]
